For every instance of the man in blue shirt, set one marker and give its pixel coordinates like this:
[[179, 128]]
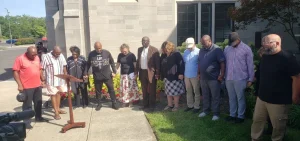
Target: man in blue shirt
[[211, 70], [190, 57]]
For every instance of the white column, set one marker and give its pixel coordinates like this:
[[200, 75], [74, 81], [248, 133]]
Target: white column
[[213, 21], [199, 22]]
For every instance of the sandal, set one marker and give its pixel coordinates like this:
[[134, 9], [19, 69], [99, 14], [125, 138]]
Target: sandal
[[62, 112], [167, 108], [175, 109], [57, 117]]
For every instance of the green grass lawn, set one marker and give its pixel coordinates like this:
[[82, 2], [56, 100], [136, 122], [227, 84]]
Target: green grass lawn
[[182, 126]]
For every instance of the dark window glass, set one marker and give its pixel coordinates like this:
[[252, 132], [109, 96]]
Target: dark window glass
[[223, 23], [187, 16], [206, 13]]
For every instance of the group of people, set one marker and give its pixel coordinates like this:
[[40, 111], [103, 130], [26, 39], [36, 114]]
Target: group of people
[[207, 68]]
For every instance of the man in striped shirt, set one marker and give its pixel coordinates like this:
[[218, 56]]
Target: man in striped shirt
[[239, 75], [54, 63]]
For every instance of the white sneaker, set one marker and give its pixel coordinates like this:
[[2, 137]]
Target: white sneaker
[[215, 118], [202, 114]]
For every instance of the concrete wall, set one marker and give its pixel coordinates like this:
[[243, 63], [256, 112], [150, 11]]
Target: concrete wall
[[82, 22], [114, 23]]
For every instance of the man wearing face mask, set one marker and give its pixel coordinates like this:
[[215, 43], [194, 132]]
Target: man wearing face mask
[[148, 68], [101, 61], [28, 74], [278, 88], [239, 75]]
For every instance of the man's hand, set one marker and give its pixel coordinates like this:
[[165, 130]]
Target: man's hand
[[296, 99], [20, 88], [180, 77], [220, 78], [198, 76], [113, 74], [43, 84], [249, 84]]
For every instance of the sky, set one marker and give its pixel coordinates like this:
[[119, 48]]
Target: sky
[[35, 8]]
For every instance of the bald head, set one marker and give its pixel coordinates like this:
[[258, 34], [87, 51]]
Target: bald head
[[206, 41], [145, 41], [98, 47], [271, 44], [56, 51], [31, 52]]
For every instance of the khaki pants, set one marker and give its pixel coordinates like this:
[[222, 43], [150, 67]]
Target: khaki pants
[[192, 87], [278, 114]]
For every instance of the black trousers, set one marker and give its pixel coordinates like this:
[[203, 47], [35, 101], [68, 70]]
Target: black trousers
[[110, 87], [33, 95], [83, 91], [149, 89]]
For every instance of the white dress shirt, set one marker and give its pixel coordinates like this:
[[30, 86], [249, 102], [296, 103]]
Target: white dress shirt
[[144, 59]]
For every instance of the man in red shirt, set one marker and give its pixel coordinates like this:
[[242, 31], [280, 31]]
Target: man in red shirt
[[27, 73]]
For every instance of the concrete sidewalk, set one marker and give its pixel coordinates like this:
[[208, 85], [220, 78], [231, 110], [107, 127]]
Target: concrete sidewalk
[[126, 124]]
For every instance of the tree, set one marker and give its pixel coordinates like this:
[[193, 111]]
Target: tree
[[23, 26], [38, 31], [282, 12]]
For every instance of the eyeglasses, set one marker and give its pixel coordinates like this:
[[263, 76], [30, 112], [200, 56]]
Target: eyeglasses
[[267, 43]]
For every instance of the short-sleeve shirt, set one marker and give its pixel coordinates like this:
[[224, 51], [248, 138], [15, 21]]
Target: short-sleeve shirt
[[53, 66], [29, 71], [191, 62], [126, 62], [209, 62], [275, 77]]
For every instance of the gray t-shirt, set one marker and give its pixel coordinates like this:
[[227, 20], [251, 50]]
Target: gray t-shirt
[[209, 62]]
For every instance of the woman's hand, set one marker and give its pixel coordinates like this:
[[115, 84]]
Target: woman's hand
[[180, 77]]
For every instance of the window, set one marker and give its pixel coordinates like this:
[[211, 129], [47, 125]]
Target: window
[[206, 11], [122, 0], [223, 23], [187, 16]]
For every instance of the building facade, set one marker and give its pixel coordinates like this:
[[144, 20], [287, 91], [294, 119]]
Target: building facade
[[114, 22]]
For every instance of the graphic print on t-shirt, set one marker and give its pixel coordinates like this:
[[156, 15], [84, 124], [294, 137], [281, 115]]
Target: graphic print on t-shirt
[[99, 61]]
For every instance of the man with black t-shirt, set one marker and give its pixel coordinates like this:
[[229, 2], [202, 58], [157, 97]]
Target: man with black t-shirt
[[101, 61], [279, 76]]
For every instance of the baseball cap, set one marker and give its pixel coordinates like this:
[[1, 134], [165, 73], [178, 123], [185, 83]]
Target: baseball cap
[[233, 37], [190, 42]]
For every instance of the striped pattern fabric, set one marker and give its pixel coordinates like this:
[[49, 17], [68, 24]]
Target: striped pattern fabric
[[239, 63], [53, 66]]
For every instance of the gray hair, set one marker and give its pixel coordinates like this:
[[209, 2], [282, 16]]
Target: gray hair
[[124, 46]]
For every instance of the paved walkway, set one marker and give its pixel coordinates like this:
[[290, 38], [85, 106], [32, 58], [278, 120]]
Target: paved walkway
[[126, 124]]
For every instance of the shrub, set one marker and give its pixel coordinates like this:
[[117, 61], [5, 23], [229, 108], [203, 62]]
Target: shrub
[[24, 41], [116, 81]]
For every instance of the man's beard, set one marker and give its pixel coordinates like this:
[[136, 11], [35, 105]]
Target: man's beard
[[270, 50]]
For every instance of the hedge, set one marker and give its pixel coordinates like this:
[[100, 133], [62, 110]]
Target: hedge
[[24, 41]]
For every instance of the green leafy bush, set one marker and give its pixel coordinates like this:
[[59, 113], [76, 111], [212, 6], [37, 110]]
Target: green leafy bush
[[24, 41]]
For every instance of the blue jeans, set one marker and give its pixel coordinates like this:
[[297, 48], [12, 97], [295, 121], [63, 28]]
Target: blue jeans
[[236, 94]]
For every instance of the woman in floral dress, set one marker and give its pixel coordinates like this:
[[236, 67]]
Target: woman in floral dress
[[128, 86]]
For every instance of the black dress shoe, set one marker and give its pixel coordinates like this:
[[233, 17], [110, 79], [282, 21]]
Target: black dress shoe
[[144, 108], [239, 120], [230, 119], [99, 106], [196, 111], [41, 119], [188, 109], [115, 106]]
